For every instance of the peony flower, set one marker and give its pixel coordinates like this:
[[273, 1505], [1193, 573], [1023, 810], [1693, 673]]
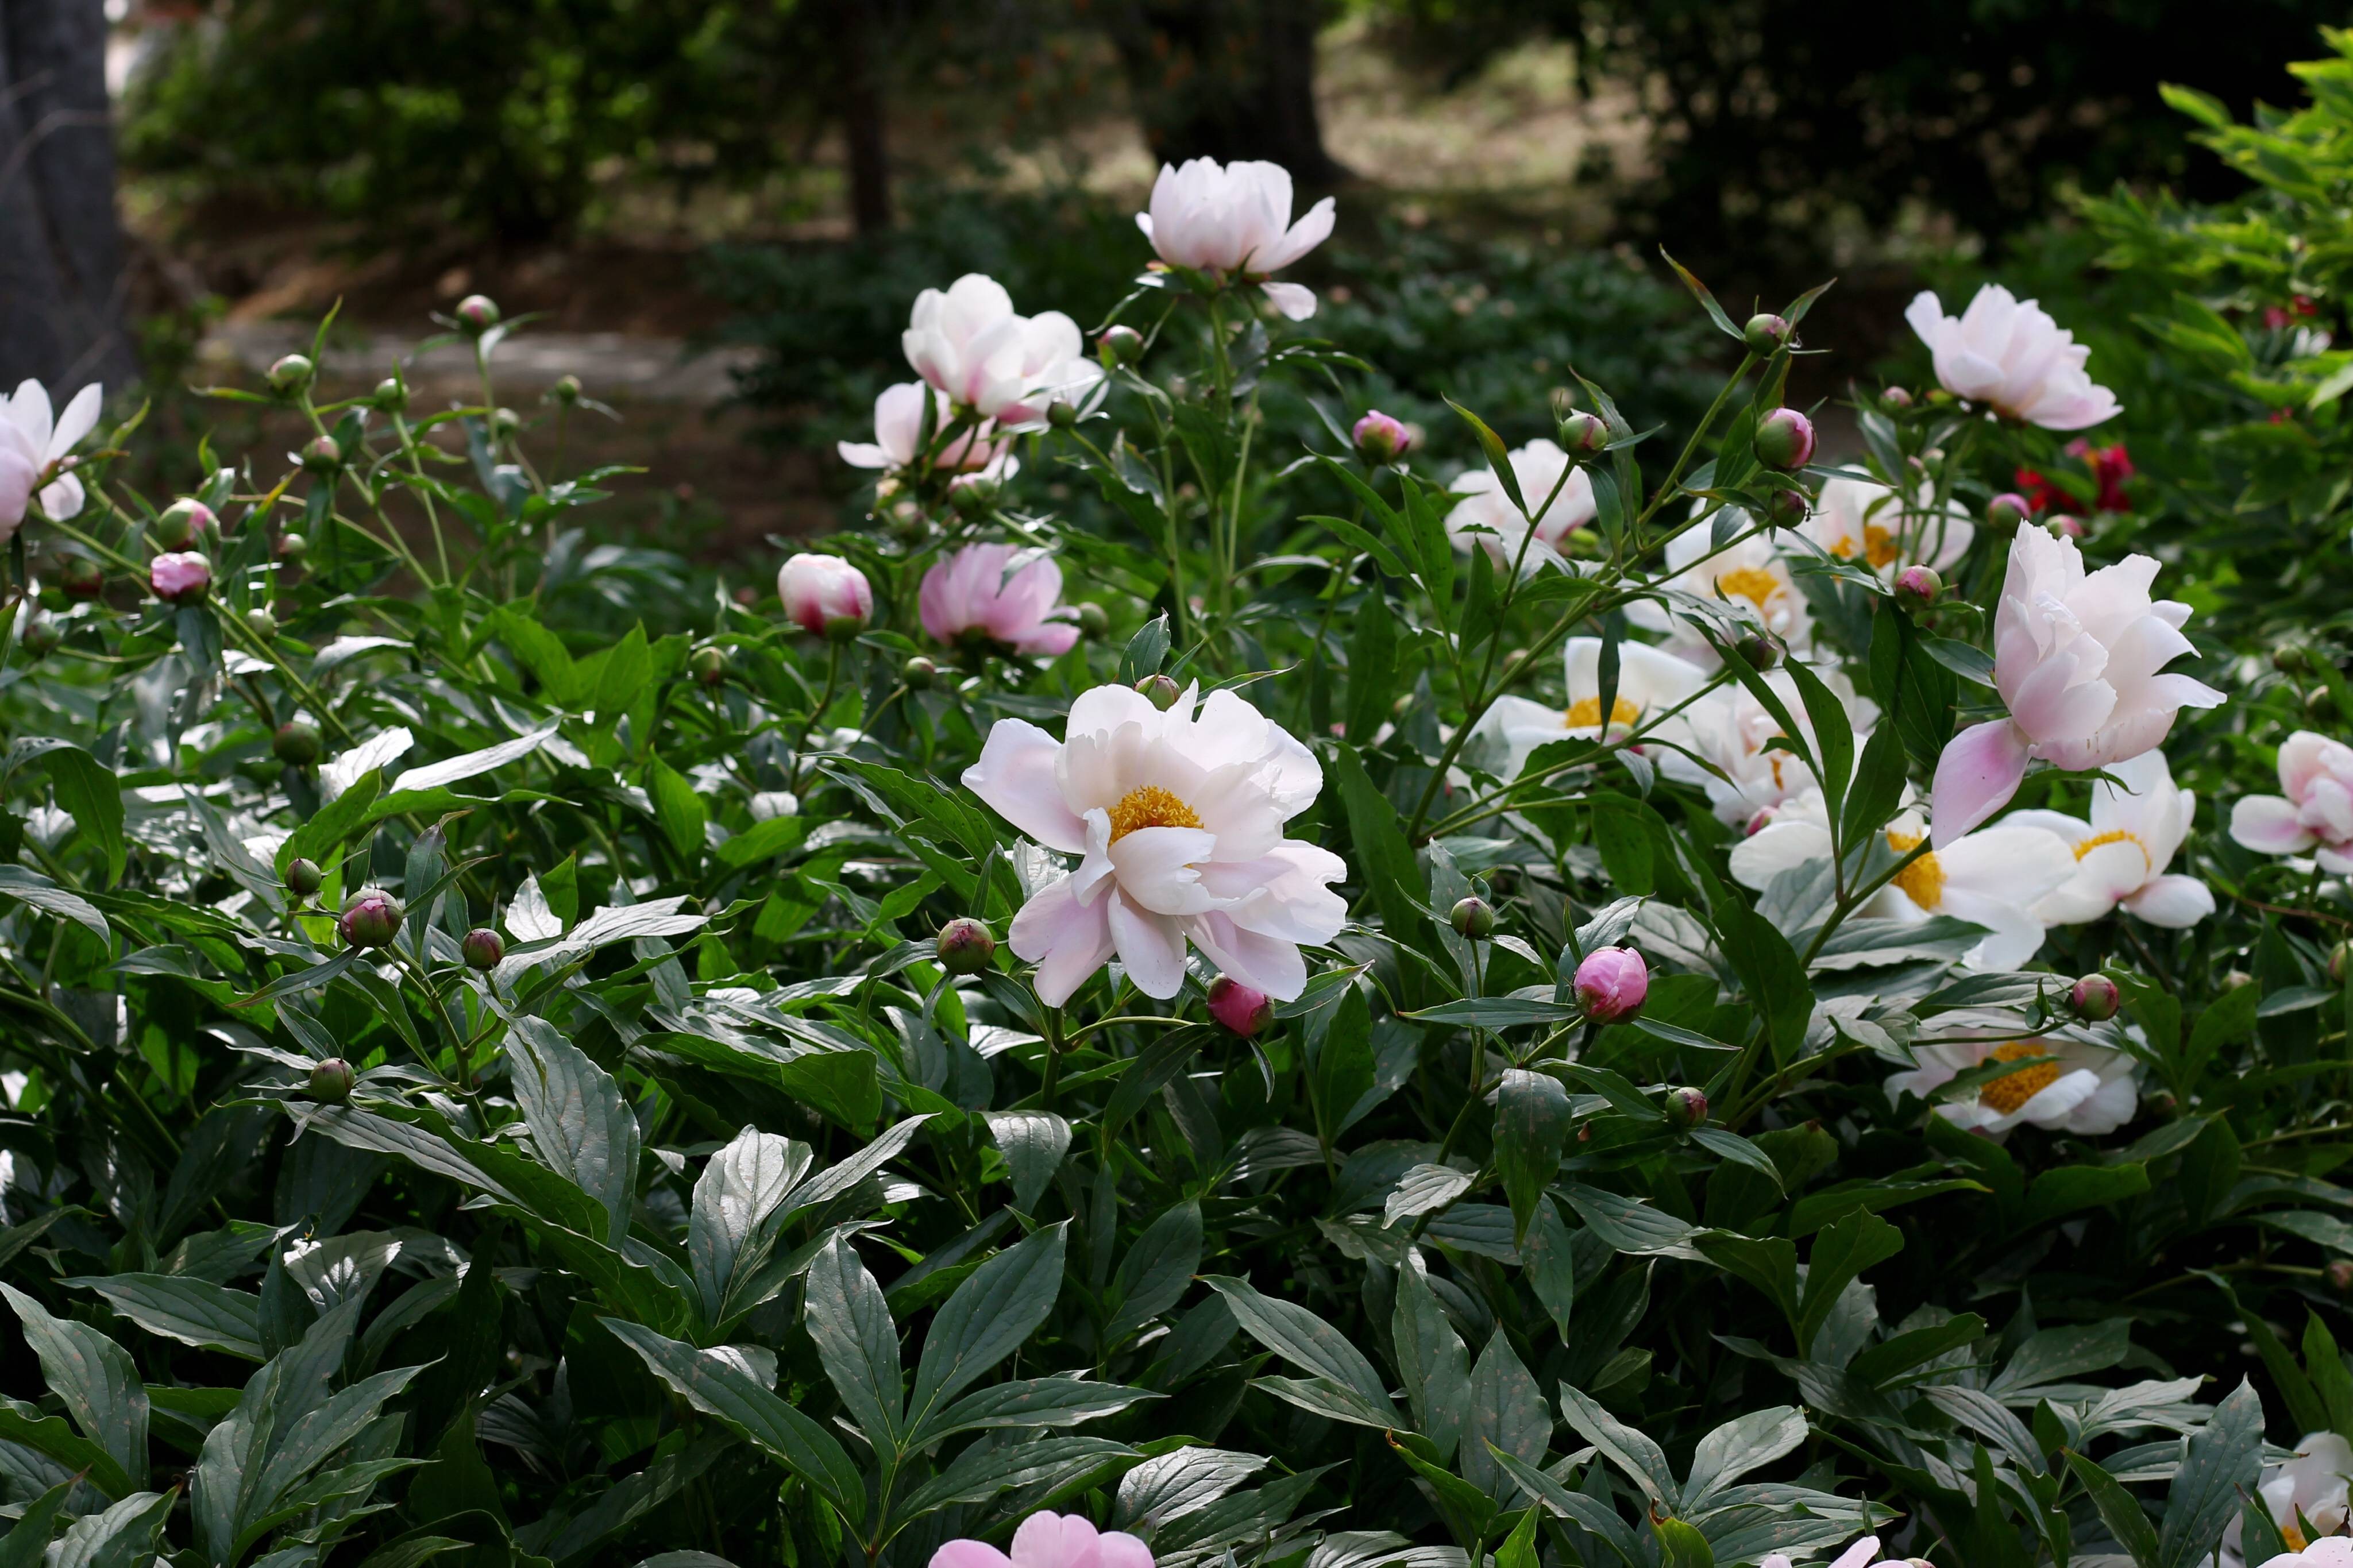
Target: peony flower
[[2329, 1551], [2312, 1485], [1749, 575], [826, 595], [180, 576], [2315, 806], [33, 434], [1650, 681], [2011, 355], [2085, 1089], [2121, 853], [1731, 733], [970, 344], [1993, 877], [1855, 520], [899, 434], [1234, 221], [1485, 515], [1177, 818], [1050, 1541], [2077, 657], [1611, 983], [1001, 594], [1862, 1554]]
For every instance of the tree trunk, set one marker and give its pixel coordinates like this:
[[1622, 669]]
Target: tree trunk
[[861, 109], [61, 252], [1227, 79]]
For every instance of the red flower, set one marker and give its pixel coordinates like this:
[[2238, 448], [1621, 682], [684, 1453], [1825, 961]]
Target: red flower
[[2040, 493], [2111, 466]]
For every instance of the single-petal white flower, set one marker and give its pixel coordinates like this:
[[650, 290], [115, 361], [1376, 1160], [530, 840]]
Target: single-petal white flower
[[2314, 810], [1650, 682], [47, 440], [967, 341], [1863, 1553], [2329, 1551], [2079, 659], [2008, 355], [1235, 219], [1560, 496], [2084, 1089], [1731, 731], [899, 434], [1177, 818], [1750, 575], [2121, 853], [1855, 520], [2311, 1488]]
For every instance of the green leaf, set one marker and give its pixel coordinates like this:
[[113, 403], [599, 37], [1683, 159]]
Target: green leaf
[[1032, 1402], [1640, 1459], [996, 1308], [1700, 292], [579, 1122], [1499, 460], [1372, 667], [1156, 1269], [857, 1341], [1551, 1265], [27, 1540], [1344, 1070], [1842, 1251], [1432, 1362], [29, 887], [89, 792], [1384, 859], [2070, 1188], [1532, 1125], [1145, 652], [178, 1307], [2330, 1379], [678, 810], [94, 1377], [1505, 1412], [1304, 1340], [1033, 1143], [1770, 974], [729, 1229], [2119, 1510], [2222, 1464]]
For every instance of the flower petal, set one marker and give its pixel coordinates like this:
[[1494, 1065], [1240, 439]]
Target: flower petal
[[1980, 769], [1068, 940], [1016, 775]]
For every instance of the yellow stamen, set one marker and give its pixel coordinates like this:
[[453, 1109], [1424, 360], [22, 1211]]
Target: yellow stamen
[[1753, 583], [1878, 545], [1585, 713], [2013, 1090], [1149, 806], [2293, 1536], [2114, 835], [1922, 881]]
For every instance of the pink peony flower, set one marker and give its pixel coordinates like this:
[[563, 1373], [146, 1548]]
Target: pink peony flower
[[2078, 658], [47, 440], [1612, 983], [899, 433], [967, 341], [180, 576], [1002, 593], [2313, 809], [1235, 219], [2011, 355], [1050, 1541]]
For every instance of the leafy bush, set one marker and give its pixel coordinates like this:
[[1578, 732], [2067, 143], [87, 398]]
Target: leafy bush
[[1542, 1060]]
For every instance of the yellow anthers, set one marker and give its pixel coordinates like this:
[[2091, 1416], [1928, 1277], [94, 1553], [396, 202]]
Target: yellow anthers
[[1585, 713], [1922, 881], [2114, 835], [1150, 806], [1753, 583], [2013, 1090]]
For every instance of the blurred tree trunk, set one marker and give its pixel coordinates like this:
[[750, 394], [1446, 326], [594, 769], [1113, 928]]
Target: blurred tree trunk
[[1227, 79], [61, 252], [860, 106]]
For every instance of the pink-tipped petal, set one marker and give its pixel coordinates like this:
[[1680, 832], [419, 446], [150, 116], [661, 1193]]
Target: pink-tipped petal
[[1981, 768], [2269, 825], [970, 1554]]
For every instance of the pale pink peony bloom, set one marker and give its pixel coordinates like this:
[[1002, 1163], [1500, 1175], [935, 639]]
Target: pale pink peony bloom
[[2121, 853], [1611, 983], [967, 341], [1235, 220], [1651, 683], [180, 577], [1177, 818], [1485, 516], [2078, 658], [1050, 1541], [32, 432], [823, 594], [2011, 355], [899, 436], [2313, 809], [2329, 1551], [1003, 594]]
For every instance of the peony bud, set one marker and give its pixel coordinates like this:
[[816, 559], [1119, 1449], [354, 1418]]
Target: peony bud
[[261, 623], [1611, 983], [1896, 397], [303, 876], [2235, 978], [477, 313], [391, 395], [1785, 439], [918, 673], [297, 743], [331, 1082], [481, 948], [964, 946], [1917, 587], [180, 577], [1062, 414], [709, 665], [322, 456], [1758, 648], [2063, 526], [1766, 333], [180, 522], [2094, 998], [1241, 1009], [567, 390], [81, 577], [290, 547], [2340, 961], [40, 634], [1686, 1107], [2340, 1275], [505, 421], [1473, 917], [825, 593], [974, 497], [2289, 658], [1584, 436], [1381, 438], [2006, 512], [1787, 507], [1119, 346], [1582, 542], [291, 373], [1163, 691], [2320, 702], [370, 919], [1094, 622]]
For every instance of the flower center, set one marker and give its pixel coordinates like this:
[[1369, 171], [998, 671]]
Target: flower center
[[2114, 835], [1922, 881], [1585, 713], [1753, 583], [2013, 1090], [1878, 546], [1149, 806], [2293, 1536]]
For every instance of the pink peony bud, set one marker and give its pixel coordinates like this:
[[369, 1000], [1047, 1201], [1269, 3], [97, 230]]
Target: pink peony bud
[[1583, 435], [1611, 983], [1917, 587], [372, 918], [1473, 917], [964, 946], [2007, 510], [180, 577], [1381, 438], [331, 1082], [180, 522], [1244, 1011], [1786, 508], [2094, 998], [1162, 690], [477, 312], [826, 595], [2063, 525], [1785, 439], [303, 876], [1686, 1107], [1767, 332], [482, 948]]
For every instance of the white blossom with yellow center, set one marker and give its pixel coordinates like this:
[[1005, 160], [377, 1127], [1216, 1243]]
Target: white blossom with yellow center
[[1857, 521], [1749, 575], [2121, 854], [1732, 734], [2059, 1084], [2312, 1485], [1651, 683]]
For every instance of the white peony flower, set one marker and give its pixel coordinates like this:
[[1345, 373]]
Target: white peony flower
[[2312, 811], [1855, 520], [1235, 220], [1486, 517], [968, 342], [1650, 681], [2011, 355], [1750, 575], [899, 434], [2084, 1089], [2122, 852], [1178, 819], [31, 440], [1731, 731], [2312, 1485]]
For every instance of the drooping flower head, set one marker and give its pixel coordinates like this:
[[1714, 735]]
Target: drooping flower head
[[1487, 517], [1050, 1541], [2313, 809], [967, 341], [2136, 827], [1177, 818], [2008, 355], [899, 436], [2080, 658], [1234, 220], [1001, 594]]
